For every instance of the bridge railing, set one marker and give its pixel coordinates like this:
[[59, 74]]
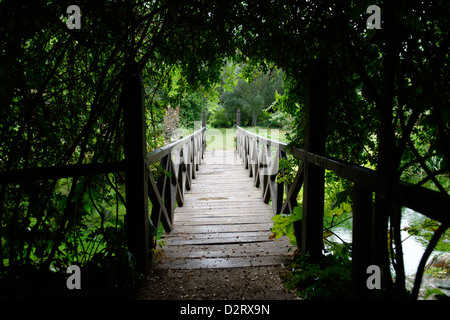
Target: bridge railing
[[179, 161], [257, 157], [369, 234], [261, 156]]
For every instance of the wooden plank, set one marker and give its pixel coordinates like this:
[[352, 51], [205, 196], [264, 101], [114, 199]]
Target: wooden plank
[[224, 212], [223, 234], [232, 262], [179, 229], [218, 240], [228, 255], [228, 250], [223, 221], [217, 211]]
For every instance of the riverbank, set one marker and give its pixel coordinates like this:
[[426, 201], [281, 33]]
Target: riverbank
[[435, 281]]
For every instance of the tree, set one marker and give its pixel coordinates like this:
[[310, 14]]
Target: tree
[[386, 89], [59, 93], [252, 95], [60, 89]]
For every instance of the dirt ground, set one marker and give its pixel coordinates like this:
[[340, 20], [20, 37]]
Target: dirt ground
[[250, 283]]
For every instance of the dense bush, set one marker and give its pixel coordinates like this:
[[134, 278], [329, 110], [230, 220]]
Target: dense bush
[[327, 279]]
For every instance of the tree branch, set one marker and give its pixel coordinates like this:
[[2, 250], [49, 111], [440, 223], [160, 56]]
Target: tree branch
[[433, 242]]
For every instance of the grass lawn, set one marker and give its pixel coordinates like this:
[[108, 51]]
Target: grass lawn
[[223, 138]]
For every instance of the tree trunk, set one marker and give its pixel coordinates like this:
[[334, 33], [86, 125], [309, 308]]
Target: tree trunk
[[254, 118], [388, 162]]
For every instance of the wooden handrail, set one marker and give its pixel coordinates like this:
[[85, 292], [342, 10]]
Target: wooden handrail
[[158, 154], [256, 154], [431, 203], [180, 161]]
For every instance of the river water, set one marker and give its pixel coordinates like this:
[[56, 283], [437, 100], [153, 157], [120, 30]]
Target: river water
[[412, 249]]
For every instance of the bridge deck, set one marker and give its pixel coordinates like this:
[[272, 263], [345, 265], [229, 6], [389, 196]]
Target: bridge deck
[[224, 222]]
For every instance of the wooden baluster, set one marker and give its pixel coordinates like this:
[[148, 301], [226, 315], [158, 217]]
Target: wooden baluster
[[279, 185], [246, 151], [293, 190], [264, 173], [194, 158], [204, 141], [200, 147], [237, 141], [238, 150], [156, 200], [242, 141], [172, 188], [188, 164], [251, 161], [159, 211], [166, 193], [203, 134], [257, 162], [180, 178], [243, 149]]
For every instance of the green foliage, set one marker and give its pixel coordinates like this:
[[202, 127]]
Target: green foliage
[[250, 90], [438, 273], [423, 229], [278, 119], [327, 279], [60, 99], [435, 293], [219, 119], [60, 92], [338, 204], [283, 224]]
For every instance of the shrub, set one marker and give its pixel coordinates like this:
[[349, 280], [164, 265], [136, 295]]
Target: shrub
[[327, 279]]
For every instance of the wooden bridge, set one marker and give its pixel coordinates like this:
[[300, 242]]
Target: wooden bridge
[[223, 216], [200, 237], [223, 221]]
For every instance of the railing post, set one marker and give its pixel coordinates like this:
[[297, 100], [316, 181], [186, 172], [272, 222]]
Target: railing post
[[279, 185], [169, 192], [203, 135], [137, 220], [315, 137]]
